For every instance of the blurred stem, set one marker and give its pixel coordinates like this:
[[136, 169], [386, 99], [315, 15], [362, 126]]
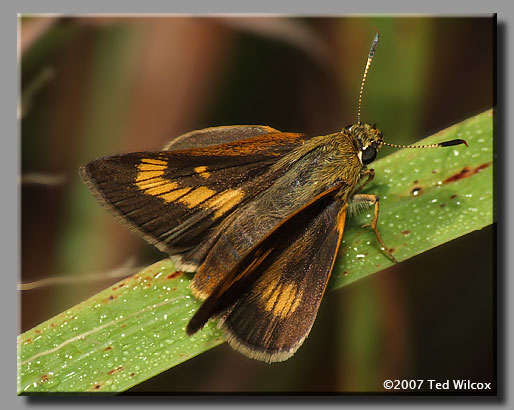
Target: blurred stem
[[407, 58], [28, 93], [105, 110]]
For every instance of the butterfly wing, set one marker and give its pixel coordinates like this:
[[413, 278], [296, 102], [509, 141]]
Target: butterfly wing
[[268, 302], [174, 198], [217, 136]]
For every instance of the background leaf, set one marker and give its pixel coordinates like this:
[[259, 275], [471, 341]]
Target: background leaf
[[134, 330]]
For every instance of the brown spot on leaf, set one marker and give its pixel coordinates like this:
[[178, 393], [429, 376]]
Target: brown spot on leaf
[[405, 232], [463, 173], [96, 386], [415, 182], [108, 348], [118, 369], [416, 191], [466, 172], [38, 331], [175, 274], [481, 167], [132, 374], [442, 205], [453, 196], [44, 378], [345, 273]]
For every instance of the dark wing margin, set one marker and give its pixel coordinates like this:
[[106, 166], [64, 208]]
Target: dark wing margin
[[172, 198], [268, 303], [217, 135]]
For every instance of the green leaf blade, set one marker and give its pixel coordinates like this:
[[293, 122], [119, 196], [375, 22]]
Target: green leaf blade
[[116, 339]]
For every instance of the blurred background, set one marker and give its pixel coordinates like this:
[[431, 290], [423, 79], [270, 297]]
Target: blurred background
[[94, 86]]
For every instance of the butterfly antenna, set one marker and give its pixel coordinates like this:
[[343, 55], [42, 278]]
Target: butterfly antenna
[[438, 145], [368, 63]]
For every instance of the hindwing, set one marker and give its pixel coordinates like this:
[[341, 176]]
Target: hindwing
[[268, 302]]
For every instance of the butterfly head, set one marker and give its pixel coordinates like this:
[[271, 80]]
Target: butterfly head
[[369, 139]]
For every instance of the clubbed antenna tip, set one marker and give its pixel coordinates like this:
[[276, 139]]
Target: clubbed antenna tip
[[453, 142], [368, 63]]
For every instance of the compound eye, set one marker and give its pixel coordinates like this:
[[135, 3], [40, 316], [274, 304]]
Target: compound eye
[[369, 154]]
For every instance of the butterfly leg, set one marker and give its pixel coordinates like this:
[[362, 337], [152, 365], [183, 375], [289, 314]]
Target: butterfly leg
[[367, 176], [370, 199]]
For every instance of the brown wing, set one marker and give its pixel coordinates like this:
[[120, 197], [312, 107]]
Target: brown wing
[[269, 301], [175, 198]]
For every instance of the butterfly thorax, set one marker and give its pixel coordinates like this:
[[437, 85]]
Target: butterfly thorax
[[324, 161]]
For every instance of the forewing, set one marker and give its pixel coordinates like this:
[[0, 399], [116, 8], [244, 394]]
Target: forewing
[[172, 198], [269, 302]]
